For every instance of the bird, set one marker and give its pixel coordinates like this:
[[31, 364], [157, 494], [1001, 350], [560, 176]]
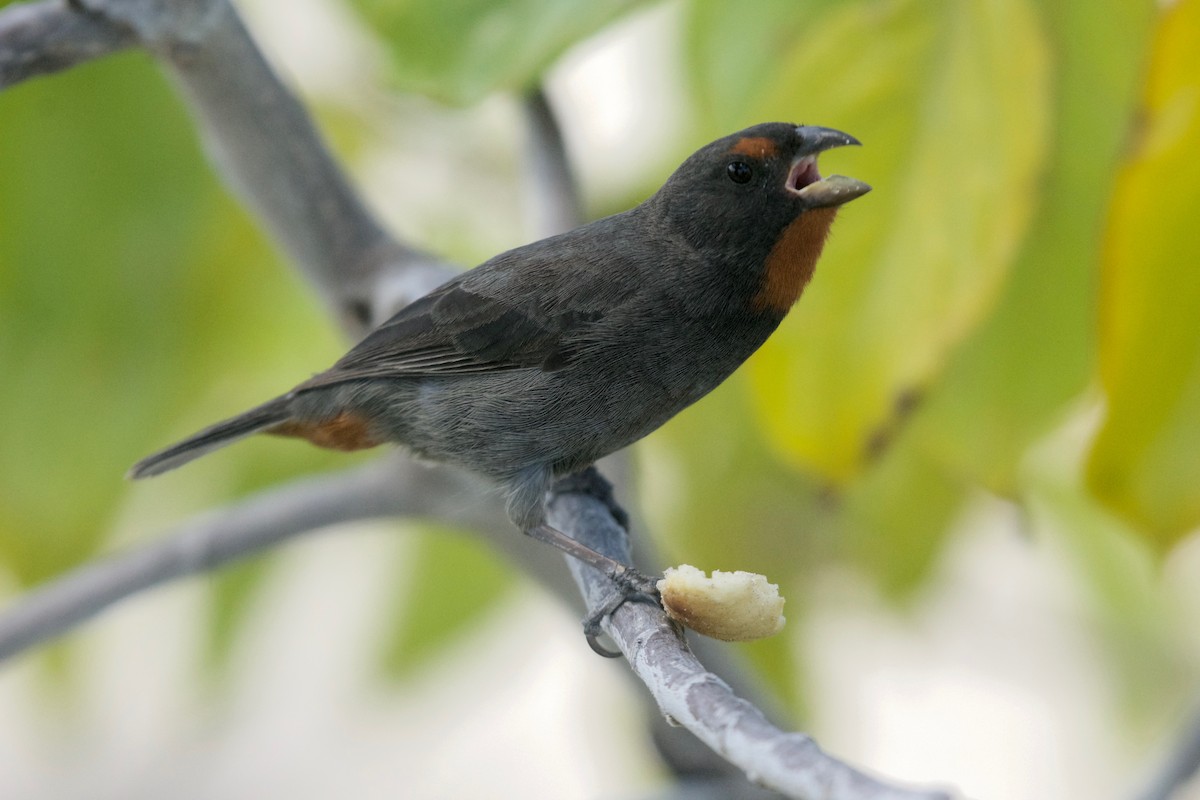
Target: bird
[[549, 356]]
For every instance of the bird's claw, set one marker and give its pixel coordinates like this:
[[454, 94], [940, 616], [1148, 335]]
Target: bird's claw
[[592, 632], [630, 585]]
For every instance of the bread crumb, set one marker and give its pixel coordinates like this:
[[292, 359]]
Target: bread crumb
[[731, 606]]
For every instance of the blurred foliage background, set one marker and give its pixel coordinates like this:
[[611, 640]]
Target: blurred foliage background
[[1011, 314]]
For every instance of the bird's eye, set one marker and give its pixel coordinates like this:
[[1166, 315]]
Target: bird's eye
[[739, 172]]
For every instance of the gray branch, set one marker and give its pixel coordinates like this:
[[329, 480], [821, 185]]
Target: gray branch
[[41, 38], [267, 149], [552, 197], [687, 693], [390, 487], [255, 130], [693, 697]]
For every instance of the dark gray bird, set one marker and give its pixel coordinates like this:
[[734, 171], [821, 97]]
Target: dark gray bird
[[547, 357]]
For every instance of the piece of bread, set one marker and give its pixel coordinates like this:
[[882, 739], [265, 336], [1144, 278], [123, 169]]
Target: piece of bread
[[731, 606]]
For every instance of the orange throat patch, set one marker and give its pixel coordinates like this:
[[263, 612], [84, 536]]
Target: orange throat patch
[[792, 260], [346, 431]]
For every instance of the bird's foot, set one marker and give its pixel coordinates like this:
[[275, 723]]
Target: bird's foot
[[629, 585]]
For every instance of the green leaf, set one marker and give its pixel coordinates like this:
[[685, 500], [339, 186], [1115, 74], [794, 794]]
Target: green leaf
[[950, 99], [894, 520], [733, 51], [101, 202], [1036, 353], [1145, 460], [460, 50], [137, 304]]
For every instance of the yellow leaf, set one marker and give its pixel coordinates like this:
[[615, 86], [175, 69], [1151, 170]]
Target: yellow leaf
[[1012, 381], [1145, 462], [951, 100]]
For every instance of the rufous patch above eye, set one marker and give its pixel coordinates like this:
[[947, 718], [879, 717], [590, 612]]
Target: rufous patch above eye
[[755, 147]]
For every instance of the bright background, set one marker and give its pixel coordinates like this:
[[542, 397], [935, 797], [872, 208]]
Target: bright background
[[969, 456]]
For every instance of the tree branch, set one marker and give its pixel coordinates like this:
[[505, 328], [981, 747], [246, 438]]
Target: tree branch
[[790, 763], [391, 487], [42, 38], [552, 197], [687, 693], [266, 147], [256, 132], [201, 545]]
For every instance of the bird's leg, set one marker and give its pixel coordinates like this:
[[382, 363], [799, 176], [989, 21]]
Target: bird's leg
[[627, 578], [631, 584], [526, 507], [591, 483]]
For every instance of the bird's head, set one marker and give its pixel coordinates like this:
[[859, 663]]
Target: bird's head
[[756, 197]]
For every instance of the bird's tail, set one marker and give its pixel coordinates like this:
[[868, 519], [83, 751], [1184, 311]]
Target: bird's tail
[[213, 437]]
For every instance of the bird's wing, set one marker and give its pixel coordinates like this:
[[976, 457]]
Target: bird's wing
[[489, 320]]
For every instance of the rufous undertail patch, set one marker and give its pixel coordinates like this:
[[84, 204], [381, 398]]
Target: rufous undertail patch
[[791, 262], [346, 431]]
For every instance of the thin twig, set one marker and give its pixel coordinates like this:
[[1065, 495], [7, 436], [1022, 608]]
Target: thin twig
[[552, 198], [201, 545], [394, 486]]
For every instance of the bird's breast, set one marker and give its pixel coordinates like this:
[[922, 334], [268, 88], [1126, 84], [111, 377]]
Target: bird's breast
[[792, 260]]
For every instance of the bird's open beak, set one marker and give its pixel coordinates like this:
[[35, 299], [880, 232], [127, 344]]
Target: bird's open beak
[[805, 181]]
